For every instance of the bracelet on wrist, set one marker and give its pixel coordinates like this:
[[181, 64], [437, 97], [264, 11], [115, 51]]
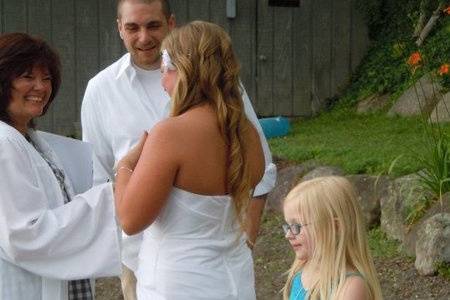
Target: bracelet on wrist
[[123, 168]]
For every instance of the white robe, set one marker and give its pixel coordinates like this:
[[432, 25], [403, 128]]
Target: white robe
[[44, 242]]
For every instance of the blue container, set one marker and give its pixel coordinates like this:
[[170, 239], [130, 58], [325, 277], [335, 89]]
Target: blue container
[[274, 127]]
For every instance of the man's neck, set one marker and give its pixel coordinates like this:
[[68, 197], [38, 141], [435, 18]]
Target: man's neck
[[152, 67]]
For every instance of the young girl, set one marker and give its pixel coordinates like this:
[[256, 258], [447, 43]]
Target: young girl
[[326, 230]]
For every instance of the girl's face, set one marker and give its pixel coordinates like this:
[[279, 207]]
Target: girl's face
[[301, 243]]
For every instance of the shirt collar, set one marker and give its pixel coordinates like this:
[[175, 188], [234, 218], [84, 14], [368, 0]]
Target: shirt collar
[[126, 67]]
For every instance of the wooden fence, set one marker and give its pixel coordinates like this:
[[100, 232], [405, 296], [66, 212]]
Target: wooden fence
[[293, 58]]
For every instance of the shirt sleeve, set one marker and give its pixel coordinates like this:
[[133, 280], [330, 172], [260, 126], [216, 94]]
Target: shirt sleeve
[[76, 240], [267, 183], [94, 133]]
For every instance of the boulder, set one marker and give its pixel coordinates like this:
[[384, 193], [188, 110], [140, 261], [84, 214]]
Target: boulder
[[433, 243], [443, 206], [370, 189], [441, 113], [287, 178], [372, 103], [419, 99], [321, 172], [402, 194]]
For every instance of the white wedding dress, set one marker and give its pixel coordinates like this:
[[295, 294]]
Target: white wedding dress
[[194, 251]]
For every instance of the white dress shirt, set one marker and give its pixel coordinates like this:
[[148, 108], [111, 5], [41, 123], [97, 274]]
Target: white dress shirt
[[118, 107]]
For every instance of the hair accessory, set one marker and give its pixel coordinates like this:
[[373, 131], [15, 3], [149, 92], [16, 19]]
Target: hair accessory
[[167, 61]]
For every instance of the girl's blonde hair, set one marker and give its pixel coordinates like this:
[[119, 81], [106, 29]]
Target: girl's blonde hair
[[330, 206], [208, 72]]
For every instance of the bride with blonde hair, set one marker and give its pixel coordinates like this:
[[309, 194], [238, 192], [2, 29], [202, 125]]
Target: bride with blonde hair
[[195, 173]]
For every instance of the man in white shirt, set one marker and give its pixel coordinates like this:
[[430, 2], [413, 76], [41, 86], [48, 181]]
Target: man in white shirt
[[126, 99]]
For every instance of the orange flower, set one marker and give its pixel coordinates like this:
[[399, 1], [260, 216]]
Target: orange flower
[[414, 59], [443, 69], [447, 10]]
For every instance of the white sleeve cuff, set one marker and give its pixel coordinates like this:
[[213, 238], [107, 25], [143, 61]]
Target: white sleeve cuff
[[267, 183]]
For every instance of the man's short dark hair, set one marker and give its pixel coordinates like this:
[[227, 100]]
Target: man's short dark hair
[[19, 53], [164, 3]]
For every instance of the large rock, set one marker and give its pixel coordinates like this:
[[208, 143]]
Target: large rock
[[372, 103], [419, 99], [287, 178], [441, 113], [321, 172], [443, 206], [433, 243], [370, 190], [403, 193]]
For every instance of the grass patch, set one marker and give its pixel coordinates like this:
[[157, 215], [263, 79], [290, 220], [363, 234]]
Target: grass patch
[[356, 143], [381, 246], [444, 270]]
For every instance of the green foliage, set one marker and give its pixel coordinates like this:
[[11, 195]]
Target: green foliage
[[436, 175], [389, 18], [384, 69], [381, 246], [418, 209], [443, 269]]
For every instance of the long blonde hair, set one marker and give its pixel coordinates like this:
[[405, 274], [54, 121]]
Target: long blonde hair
[[208, 72], [337, 230]]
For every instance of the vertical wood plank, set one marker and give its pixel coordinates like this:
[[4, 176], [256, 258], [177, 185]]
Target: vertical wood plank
[[110, 44], [321, 53], [40, 24], [359, 37], [302, 59], [282, 69], [180, 9], [199, 10], [87, 44], [1, 16], [264, 56], [341, 45], [39, 18], [219, 14], [63, 33], [242, 31], [15, 16]]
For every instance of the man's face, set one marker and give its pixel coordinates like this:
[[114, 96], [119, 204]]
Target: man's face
[[142, 27]]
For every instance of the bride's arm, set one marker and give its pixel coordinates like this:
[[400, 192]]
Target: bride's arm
[[141, 192]]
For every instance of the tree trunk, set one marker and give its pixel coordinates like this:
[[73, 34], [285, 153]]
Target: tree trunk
[[431, 22]]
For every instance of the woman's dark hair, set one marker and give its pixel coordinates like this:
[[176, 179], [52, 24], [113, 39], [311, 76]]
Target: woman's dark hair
[[19, 53]]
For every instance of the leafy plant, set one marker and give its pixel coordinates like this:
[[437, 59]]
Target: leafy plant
[[381, 246], [436, 161], [443, 269], [436, 175]]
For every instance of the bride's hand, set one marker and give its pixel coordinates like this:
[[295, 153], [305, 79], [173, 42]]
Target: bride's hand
[[131, 158]]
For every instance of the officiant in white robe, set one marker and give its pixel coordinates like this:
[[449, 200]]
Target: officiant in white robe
[[49, 237]]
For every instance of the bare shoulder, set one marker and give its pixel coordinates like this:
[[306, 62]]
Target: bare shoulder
[[165, 134], [355, 288]]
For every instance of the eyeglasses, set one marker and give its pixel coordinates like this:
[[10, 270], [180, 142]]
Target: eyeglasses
[[293, 228]]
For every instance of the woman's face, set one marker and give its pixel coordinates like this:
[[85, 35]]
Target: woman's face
[[29, 95], [301, 243], [168, 80]]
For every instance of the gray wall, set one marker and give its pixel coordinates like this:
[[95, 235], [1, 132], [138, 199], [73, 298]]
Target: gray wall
[[292, 58], [86, 39]]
